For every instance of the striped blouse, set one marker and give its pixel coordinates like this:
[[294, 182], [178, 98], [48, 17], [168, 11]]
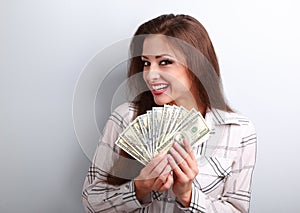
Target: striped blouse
[[226, 159]]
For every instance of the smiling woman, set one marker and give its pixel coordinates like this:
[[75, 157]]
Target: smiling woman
[[165, 75], [179, 67]]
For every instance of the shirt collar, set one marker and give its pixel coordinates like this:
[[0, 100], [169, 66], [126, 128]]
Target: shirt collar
[[220, 117]]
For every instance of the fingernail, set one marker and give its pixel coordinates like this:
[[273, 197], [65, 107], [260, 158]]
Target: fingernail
[[175, 144]]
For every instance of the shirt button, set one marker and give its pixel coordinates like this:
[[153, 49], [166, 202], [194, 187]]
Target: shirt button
[[127, 186], [158, 198], [169, 199]]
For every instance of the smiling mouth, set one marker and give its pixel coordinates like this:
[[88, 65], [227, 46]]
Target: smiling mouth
[[159, 87]]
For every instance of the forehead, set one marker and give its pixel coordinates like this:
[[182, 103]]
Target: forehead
[[157, 45]]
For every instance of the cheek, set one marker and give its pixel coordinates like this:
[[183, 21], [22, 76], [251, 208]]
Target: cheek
[[187, 80], [145, 76], [183, 82], [189, 83]]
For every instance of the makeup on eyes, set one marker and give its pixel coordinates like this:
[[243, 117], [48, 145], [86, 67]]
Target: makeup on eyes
[[163, 60]]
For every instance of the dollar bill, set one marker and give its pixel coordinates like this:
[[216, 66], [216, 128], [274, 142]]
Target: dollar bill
[[143, 121], [157, 130], [150, 132], [136, 129], [167, 111], [130, 150], [181, 116], [194, 127], [156, 123], [129, 136]]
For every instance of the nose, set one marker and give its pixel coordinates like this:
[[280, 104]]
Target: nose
[[152, 73]]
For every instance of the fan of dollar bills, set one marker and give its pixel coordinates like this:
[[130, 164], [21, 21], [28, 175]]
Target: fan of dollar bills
[[156, 131]]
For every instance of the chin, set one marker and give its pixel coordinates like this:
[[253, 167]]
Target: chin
[[161, 101]]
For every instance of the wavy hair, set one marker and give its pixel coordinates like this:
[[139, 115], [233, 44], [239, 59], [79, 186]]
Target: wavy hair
[[187, 35]]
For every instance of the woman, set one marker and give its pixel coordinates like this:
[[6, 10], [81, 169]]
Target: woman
[[173, 57]]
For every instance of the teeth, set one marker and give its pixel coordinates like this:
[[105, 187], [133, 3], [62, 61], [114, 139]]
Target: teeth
[[159, 87]]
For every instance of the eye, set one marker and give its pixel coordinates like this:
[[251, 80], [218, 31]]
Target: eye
[[165, 62], [146, 63]]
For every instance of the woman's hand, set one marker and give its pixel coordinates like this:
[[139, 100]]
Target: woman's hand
[[156, 175], [185, 169]]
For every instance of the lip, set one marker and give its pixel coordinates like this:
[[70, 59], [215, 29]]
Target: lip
[[158, 92]]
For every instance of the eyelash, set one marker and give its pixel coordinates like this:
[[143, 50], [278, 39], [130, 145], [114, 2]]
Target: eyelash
[[165, 61]]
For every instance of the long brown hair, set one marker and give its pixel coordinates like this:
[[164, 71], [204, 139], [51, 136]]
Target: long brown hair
[[188, 35], [191, 39]]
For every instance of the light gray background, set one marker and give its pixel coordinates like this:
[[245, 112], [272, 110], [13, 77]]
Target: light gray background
[[44, 45]]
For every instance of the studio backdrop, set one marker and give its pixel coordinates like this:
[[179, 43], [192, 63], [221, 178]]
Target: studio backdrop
[[62, 71]]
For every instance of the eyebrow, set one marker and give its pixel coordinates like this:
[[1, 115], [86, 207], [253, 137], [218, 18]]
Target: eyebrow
[[158, 56]]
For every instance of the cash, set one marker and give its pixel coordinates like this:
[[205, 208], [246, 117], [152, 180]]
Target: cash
[[155, 132]]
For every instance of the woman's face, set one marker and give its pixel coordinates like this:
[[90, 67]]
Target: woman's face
[[165, 73]]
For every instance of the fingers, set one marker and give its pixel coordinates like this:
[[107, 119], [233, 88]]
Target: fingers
[[189, 150], [162, 179], [157, 176], [175, 166], [160, 166], [155, 167], [181, 157], [154, 175], [167, 184], [182, 160]]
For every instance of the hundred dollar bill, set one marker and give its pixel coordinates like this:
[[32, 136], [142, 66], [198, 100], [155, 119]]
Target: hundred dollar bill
[[164, 123], [194, 128], [182, 114], [156, 122], [195, 125], [150, 132], [186, 118], [130, 150], [171, 123], [129, 136], [135, 127], [156, 131], [143, 121]]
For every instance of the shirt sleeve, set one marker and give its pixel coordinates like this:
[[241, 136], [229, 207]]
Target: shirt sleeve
[[98, 195], [237, 187]]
